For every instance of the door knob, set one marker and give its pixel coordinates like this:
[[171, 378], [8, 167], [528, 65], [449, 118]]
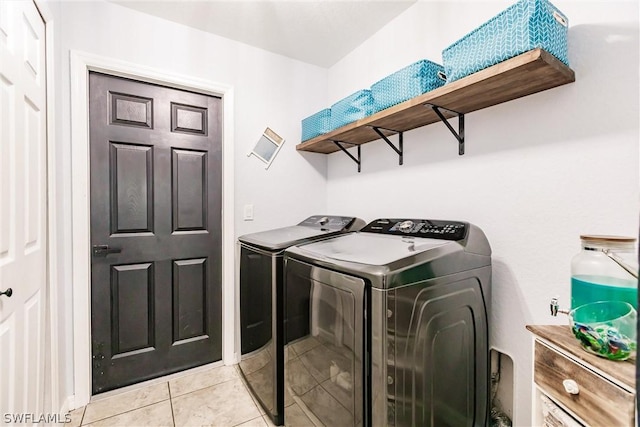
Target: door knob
[[8, 292], [104, 250]]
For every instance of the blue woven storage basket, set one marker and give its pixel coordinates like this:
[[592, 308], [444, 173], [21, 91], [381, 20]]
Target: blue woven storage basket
[[354, 107], [526, 25], [316, 124], [409, 82]]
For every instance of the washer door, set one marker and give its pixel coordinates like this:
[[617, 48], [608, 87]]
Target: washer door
[[324, 367]]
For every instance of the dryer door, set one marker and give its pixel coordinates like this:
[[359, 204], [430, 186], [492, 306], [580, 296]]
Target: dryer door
[[260, 333], [324, 363]]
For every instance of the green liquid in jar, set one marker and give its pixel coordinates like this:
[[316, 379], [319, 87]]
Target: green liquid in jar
[[586, 289]]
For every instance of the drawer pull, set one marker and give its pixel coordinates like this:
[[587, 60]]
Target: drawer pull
[[571, 387]]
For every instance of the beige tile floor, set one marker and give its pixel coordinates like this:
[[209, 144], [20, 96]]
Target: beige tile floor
[[215, 397]]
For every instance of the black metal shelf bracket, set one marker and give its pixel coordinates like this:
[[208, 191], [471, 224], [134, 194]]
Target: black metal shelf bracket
[[340, 146], [459, 135], [399, 150]]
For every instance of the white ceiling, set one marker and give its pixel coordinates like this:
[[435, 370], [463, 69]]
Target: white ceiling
[[319, 32]]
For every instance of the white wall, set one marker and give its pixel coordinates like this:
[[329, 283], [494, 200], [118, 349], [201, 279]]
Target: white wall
[[269, 90], [537, 173]]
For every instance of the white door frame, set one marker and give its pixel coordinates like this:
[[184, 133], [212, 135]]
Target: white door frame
[[52, 220], [81, 64]]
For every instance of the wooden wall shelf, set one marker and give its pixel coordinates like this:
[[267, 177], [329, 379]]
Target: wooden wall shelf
[[531, 72]]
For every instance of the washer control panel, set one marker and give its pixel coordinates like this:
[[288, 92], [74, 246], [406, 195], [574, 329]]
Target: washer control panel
[[328, 222], [429, 228]]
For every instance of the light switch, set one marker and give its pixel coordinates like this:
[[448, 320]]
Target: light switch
[[248, 213]]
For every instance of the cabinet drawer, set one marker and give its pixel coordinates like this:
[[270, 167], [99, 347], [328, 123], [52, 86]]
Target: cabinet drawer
[[599, 401]]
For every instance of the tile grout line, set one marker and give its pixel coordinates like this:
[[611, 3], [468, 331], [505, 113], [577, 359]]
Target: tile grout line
[[173, 417], [252, 419], [203, 388], [84, 411], [125, 412], [234, 378], [255, 402], [170, 398], [254, 399]]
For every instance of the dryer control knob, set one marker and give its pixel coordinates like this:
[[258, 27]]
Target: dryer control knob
[[405, 226]]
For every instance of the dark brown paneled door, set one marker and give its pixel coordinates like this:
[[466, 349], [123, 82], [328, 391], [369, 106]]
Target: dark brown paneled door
[[155, 230]]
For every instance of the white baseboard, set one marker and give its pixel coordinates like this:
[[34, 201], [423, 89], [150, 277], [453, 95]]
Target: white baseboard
[[67, 405]]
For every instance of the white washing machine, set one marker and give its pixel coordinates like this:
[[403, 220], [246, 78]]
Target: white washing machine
[[396, 332]]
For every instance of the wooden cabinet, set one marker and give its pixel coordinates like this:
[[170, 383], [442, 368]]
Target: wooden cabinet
[[592, 390]]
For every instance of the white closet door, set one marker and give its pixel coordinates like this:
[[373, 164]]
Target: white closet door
[[23, 205]]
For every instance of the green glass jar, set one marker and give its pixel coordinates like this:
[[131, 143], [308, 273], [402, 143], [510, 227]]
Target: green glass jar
[[606, 269]]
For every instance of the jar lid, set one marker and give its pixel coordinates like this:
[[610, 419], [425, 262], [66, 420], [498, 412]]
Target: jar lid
[[604, 238]]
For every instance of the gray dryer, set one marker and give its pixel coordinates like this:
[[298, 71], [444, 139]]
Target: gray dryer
[[397, 331], [261, 302]]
